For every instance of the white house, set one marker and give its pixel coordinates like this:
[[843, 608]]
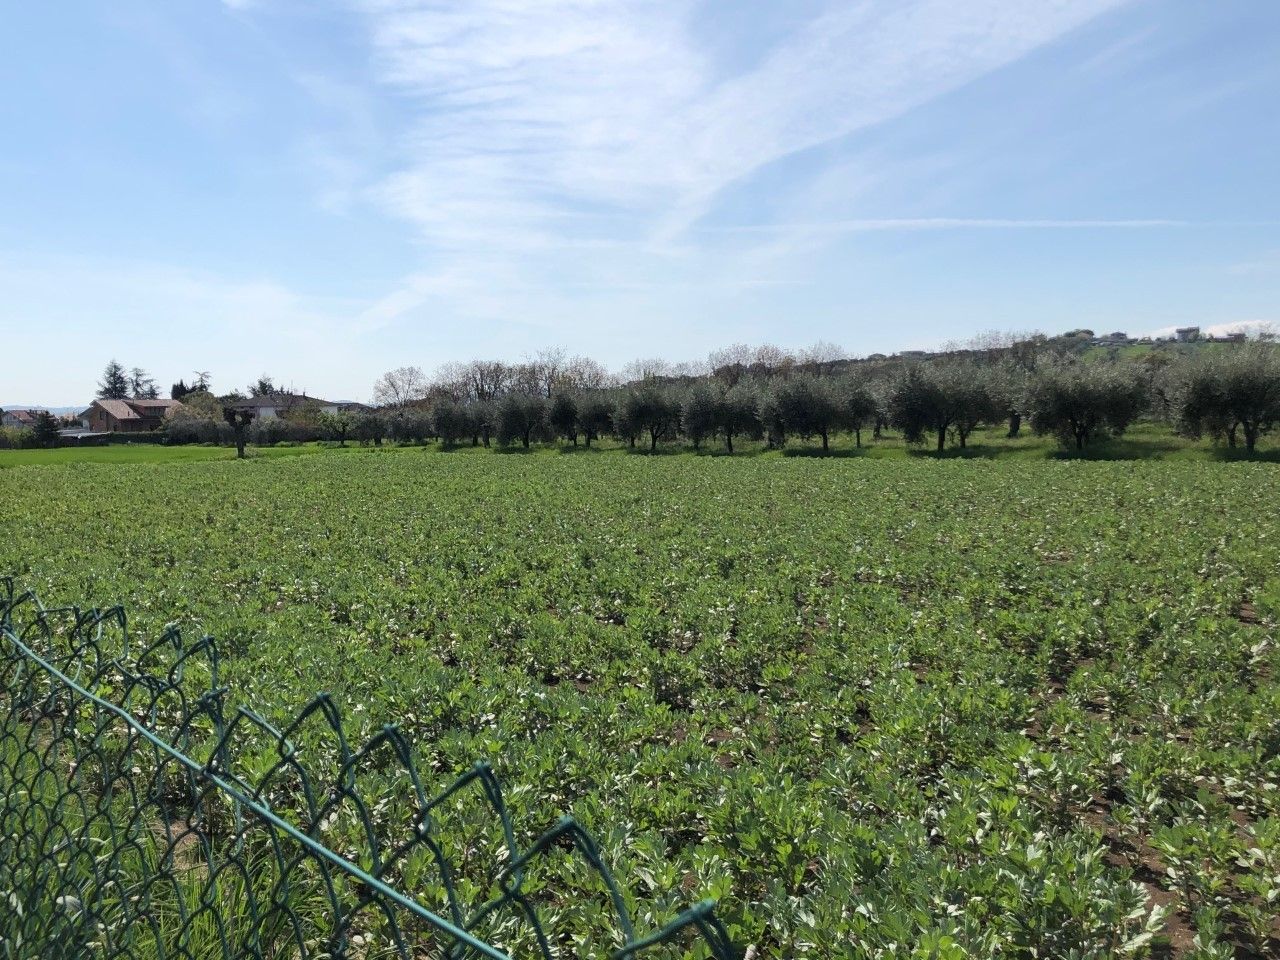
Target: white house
[[268, 406]]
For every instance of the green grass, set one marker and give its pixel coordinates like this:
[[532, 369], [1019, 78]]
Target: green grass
[[138, 453], [880, 704], [1144, 441]]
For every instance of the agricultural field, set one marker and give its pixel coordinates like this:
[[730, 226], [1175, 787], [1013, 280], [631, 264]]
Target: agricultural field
[[135, 453], [907, 706]]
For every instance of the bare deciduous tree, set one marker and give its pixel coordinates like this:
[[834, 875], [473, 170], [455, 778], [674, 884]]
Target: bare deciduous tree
[[400, 387], [649, 368], [583, 373]]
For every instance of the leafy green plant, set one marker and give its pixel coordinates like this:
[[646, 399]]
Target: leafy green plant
[[873, 706]]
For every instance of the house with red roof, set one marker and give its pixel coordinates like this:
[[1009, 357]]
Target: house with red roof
[[127, 416]]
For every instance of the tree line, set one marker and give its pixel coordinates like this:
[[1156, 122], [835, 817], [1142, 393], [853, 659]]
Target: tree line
[[1230, 394], [767, 395]]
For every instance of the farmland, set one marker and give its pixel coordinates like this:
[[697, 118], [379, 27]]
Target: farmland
[[911, 706]]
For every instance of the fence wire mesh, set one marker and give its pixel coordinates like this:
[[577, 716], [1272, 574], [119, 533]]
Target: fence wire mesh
[[141, 817]]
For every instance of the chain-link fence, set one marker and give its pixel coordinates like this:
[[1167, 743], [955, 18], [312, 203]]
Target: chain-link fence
[[143, 817]]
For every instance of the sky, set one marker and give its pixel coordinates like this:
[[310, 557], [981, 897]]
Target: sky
[[322, 190]]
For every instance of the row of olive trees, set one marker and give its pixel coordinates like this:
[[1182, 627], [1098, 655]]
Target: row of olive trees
[[948, 400], [1232, 395], [1076, 402]]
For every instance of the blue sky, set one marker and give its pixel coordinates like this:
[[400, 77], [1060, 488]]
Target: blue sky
[[325, 189]]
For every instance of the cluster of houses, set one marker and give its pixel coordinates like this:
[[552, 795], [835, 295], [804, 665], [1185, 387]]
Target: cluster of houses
[[132, 415], [19, 419], [1181, 335], [137, 416], [1088, 337]]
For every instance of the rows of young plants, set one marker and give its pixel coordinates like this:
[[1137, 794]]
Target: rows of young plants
[[934, 708]]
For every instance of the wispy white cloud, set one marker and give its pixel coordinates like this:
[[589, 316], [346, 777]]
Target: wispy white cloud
[[1268, 263], [949, 223], [546, 122], [531, 107]]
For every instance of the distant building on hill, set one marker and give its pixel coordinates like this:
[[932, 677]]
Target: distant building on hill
[[1116, 339], [1187, 334]]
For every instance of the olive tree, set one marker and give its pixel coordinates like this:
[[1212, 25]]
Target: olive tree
[[1230, 393], [412, 425], [337, 425], [860, 406], [450, 421], [370, 427], [698, 415], [595, 416], [1078, 402], [521, 416], [738, 414], [647, 409], [563, 416], [938, 398], [773, 427], [806, 406], [1007, 386], [482, 418]]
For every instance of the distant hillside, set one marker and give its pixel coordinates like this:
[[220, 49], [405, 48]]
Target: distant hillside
[[56, 411], [1133, 351]]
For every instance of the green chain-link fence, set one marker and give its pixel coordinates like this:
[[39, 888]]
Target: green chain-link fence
[[142, 817]]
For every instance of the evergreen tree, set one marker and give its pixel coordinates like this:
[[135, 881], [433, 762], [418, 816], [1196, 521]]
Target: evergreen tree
[[114, 384], [142, 386], [264, 387], [46, 429]]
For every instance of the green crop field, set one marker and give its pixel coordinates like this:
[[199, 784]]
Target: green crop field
[[907, 707]]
